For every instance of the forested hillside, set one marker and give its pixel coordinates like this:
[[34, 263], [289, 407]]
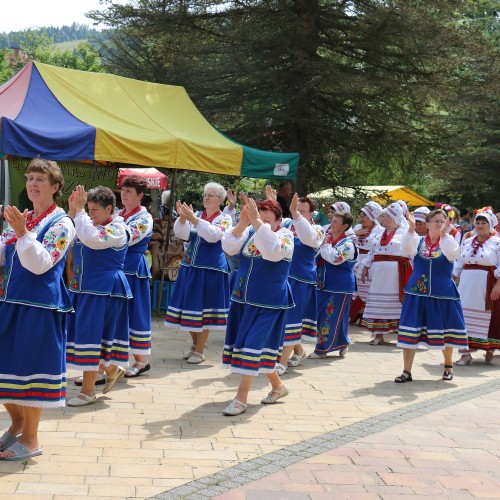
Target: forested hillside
[[57, 35]]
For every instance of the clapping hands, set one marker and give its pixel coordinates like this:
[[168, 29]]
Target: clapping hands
[[77, 200], [16, 220], [186, 213], [271, 193]]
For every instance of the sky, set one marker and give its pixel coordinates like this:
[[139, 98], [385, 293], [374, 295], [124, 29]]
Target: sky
[[16, 15]]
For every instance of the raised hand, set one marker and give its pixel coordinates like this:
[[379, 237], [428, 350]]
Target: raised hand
[[252, 210], [187, 212], [80, 198], [244, 219], [411, 221], [271, 193], [16, 220], [294, 206], [71, 205], [444, 227], [231, 197], [243, 197]]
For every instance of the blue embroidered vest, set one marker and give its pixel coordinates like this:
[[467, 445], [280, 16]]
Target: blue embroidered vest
[[302, 267], [262, 283], [337, 278], [135, 260], [99, 272], [201, 253], [432, 276], [20, 286]]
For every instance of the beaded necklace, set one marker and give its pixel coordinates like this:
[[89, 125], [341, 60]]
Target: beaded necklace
[[133, 212]]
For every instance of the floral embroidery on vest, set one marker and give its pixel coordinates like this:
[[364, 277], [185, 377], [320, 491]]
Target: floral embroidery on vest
[[421, 285], [74, 282], [237, 291]]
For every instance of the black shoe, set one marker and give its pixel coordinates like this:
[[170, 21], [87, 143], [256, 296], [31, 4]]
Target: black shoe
[[404, 377]]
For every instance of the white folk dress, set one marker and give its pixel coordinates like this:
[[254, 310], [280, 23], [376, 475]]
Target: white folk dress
[[383, 305], [472, 288]]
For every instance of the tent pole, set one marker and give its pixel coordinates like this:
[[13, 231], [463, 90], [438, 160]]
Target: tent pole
[[167, 238]]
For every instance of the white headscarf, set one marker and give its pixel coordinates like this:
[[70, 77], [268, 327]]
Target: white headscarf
[[421, 213], [489, 216], [395, 212], [372, 210], [404, 206], [340, 206]]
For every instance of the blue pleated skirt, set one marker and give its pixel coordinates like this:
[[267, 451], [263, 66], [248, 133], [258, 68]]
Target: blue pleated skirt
[[301, 319], [33, 364], [431, 323], [333, 321], [98, 333], [200, 300], [139, 315], [254, 339]]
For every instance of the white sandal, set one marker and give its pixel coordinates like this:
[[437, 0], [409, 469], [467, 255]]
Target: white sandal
[[280, 369], [274, 395], [188, 354], [196, 358], [235, 407], [295, 359], [82, 400]]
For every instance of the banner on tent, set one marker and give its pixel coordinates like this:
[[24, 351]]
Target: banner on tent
[[74, 173]]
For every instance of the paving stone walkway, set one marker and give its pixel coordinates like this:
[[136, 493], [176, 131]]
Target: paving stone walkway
[[345, 431]]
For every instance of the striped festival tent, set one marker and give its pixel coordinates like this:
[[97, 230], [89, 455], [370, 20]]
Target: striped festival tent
[[63, 114]]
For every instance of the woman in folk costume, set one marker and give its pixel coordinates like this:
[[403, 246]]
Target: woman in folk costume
[[301, 319], [200, 300], [478, 268], [338, 206], [432, 316], [336, 284], [365, 234], [260, 299], [389, 269], [136, 269], [494, 330], [33, 306], [420, 216], [454, 230], [98, 334]]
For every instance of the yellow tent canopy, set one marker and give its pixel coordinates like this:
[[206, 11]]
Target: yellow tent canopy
[[380, 194]]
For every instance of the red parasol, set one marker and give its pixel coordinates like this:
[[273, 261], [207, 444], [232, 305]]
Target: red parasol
[[154, 178]]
